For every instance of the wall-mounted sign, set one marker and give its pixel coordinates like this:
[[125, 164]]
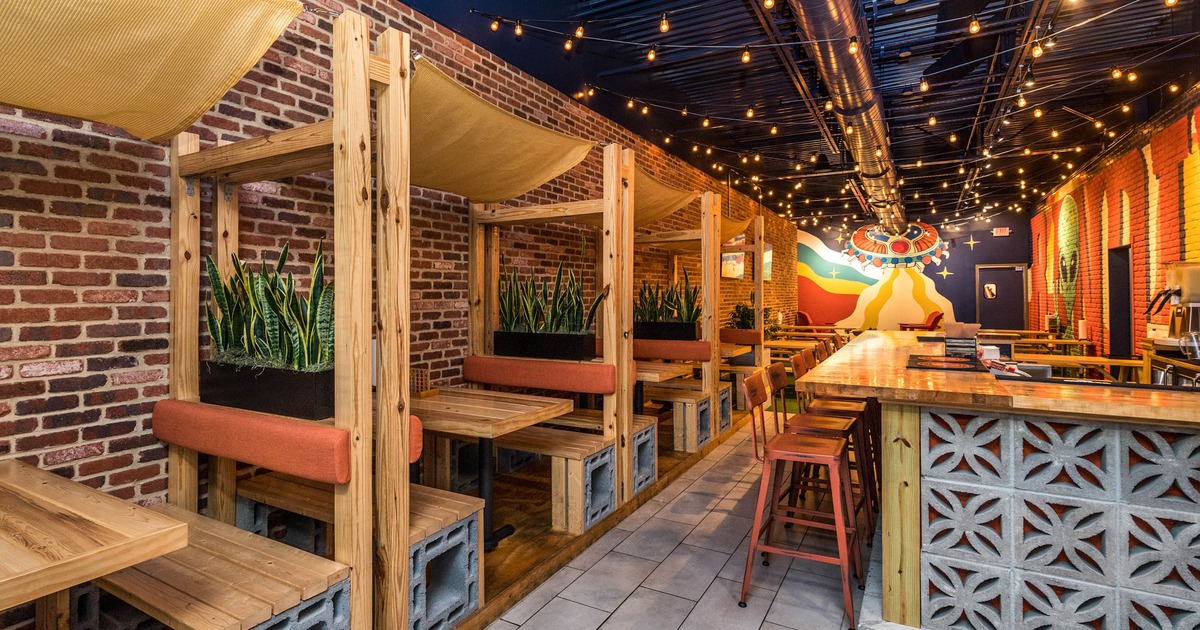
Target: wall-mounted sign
[[1001, 231]]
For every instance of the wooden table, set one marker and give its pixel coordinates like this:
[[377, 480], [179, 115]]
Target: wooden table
[[56, 533], [795, 345], [486, 415], [730, 350], [655, 372]]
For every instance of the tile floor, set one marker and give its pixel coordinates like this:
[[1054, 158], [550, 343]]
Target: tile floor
[[677, 563]]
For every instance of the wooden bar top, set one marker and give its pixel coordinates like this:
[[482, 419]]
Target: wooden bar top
[[874, 364]]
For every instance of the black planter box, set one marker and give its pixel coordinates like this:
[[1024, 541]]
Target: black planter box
[[306, 395], [675, 331], [565, 346]]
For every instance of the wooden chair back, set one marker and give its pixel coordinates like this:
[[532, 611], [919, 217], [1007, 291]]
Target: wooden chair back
[[777, 378], [757, 392]]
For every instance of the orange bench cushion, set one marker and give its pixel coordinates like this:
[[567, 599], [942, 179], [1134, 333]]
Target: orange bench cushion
[[564, 376], [671, 350], [742, 337]]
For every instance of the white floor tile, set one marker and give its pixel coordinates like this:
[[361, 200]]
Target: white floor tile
[[606, 585], [541, 596], [648, 608], [561, 613], [720, 531], [687, 572], [689, 507], [768, 577], [808, 602], [718, 609], [598, 550], [655, 540]]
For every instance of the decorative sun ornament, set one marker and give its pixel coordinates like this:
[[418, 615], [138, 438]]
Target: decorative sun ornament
[[918, 246]]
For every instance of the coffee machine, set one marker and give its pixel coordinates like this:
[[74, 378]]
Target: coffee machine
[[1182, 295]]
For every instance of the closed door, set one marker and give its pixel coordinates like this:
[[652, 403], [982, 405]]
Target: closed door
[[1000, 296], [1120, 304]]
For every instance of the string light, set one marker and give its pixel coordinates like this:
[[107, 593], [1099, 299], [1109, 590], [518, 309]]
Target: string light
[[774, 130], [849, 130], [746, 55], [652, 54], [828, 106], [769, 4], [1038, 51], [517, 30], [953, 137], [705, 122], [853, 44], [1125, 108], [495, 25], [974, 26], [1131, 75], [932, 120], [645, 110], [749, 112], [1037, 113], [1172, 3], [878, 151], [630, 104], [591, 92], [663, 24], [1030, 81], [1053, 133], [1116, 73], [1021, 102], [569, 44], [924, 85], [1174, 88], [579, 31]]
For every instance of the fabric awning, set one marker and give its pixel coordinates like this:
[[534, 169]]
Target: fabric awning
[[151, 68], [729, 229], [464, 145], [652, 200]]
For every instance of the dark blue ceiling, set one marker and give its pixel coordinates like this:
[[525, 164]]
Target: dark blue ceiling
[[909, 39]]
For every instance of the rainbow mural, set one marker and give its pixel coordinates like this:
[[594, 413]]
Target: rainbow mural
[[876, 281]]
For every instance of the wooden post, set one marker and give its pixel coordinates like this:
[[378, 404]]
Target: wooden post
[[352, 303], [761, 356], [222, 471], [901, 503], [483, 281], [392, 255], [617, 276], [53, 611], [710, 290], [184, 375]]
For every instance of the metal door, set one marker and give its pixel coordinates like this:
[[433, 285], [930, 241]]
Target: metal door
[[1000, 299]]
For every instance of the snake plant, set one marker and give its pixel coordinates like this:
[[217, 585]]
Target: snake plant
[[527, 307], [676, 303], [261, 319]]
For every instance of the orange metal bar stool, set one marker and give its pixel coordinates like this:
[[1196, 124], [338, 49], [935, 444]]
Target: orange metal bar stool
[[799, 450], [866, 410], [850, 427]]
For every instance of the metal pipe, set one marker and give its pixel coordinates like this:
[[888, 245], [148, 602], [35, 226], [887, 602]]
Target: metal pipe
[[857, 101]]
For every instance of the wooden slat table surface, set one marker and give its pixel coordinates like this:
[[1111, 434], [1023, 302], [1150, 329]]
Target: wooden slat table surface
[[483, 413], [791, 344], [658, 371], [730, 350], [56, 533], [1059, 360]]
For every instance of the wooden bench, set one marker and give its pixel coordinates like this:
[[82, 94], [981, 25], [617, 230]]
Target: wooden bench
[[582, 473], [229, 579], [724, 402], [692, 417], [438, 521], [645, 441]]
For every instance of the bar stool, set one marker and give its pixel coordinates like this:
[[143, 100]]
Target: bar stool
[[847, 426], [868, 411], [799, 450]]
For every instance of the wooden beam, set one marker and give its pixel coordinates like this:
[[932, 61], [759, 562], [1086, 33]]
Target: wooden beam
[[476, 282], [276, 150], [733, 249], [710, 290], [617, 277], [532, 215], [901, 501], [222, 471], [392, 256], [183, 482], [379, 68], [351, 134], [760, 357], [678, 236]]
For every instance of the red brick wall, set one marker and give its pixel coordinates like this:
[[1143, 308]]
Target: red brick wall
[[1147, 193], [84, 241]]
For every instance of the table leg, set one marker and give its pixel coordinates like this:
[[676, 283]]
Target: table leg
[[639, 398], [487, 466], [54, 611]]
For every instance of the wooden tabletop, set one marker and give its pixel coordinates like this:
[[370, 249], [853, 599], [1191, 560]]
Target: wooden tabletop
[[56, 533], [730, 350], [659, 371], [483, 413], [791, 344], [874, 365], [1059, 360]]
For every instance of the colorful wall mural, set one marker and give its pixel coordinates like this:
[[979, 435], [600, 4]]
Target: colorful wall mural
[[1146, 198]]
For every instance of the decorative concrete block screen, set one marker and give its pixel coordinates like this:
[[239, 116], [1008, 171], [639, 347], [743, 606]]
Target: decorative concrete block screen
[[704, 422], [725, 398], [1053, 523], [599, 486], [645, 457]]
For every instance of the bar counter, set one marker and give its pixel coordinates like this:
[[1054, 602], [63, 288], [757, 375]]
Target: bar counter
[[998, 492]]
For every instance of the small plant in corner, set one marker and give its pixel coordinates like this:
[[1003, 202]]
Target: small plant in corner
[[742, 318]]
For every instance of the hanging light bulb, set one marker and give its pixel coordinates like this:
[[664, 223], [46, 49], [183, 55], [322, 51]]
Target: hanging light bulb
[[828, 106], [1172, 3], [708, 151], [774, 130], [591, 92], [849, 130], [579, 31], [1027, 151], [652, 54], [953, 137], [974, 26], [746, 55], [1099, 124], [579, 95], [517, 30], [1038, 51], [923, 85], [1053, 133], [769, 4], [667, 140], [1125, 108], [878, 151], [705, 122], [749, 112], [757, 157], [645, 110], [961, 171], [695, 148], [932, 120], [684, 111], [495, 25], [1116, 73], [920, 163], [630, 104], [853, 44], [813, 158], [1131, 75], [569, 44], [1030, 81], [663, 24], [1173, 88], [1021, 102], [1037, 112]]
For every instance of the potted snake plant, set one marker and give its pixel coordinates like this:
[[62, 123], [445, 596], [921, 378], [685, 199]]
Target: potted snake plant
[[544, 321], [671, 313], [272, 345]]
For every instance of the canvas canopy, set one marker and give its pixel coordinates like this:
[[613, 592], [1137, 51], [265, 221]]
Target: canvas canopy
[[151, 68], [729, 229]]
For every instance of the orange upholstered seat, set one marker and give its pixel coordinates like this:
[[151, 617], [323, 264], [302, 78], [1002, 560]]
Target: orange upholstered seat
[[565, 376], [671, 350]]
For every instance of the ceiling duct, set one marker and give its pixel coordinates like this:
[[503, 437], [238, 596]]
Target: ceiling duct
[[857, 102]]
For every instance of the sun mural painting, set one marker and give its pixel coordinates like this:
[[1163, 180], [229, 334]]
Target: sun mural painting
[[877, 276]]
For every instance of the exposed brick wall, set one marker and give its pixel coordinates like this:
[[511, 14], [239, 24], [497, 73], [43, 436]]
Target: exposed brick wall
[[84, 238], [1146, 196]]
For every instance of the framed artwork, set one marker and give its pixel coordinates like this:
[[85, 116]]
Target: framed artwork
[[768, 260], [733, 265]]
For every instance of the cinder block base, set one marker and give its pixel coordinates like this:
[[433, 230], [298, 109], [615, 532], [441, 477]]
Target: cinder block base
[[704, 422], [328, 611], [645, 458], [599, 486], [725, 407], [444, 576], [301, 532], [85, 607], [464, 464]]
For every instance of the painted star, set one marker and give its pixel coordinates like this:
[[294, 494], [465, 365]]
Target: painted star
[[833, 273], [944, 272], [839, 239], [972, 242]]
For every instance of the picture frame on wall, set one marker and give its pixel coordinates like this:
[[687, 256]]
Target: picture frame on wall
[[733, 265], [768, 261]]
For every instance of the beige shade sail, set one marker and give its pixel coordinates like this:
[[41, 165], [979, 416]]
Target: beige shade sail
[[729, 229], [652, 200], [467, 146], [151, 68]]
